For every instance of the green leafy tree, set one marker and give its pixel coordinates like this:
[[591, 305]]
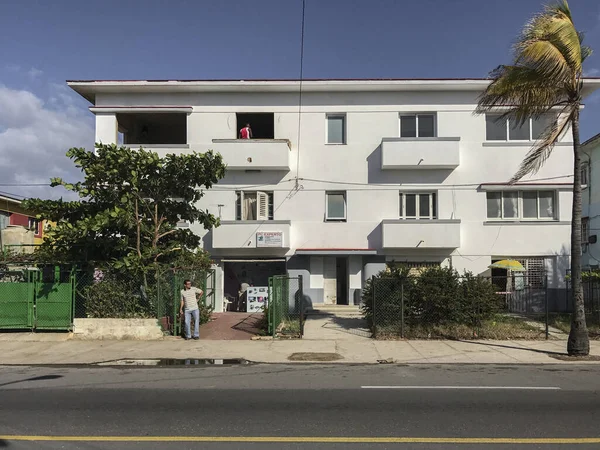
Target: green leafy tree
[[546, 77], [130, 201]]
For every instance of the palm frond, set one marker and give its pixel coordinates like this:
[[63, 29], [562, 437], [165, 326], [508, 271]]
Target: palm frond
[[542, 149], [550, 42], [520, 92]]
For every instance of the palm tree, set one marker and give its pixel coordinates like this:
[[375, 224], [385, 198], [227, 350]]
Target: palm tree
[[546, 77]]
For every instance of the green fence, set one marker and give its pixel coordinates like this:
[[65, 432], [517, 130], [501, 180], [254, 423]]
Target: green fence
[[286, 306], [37, 298]]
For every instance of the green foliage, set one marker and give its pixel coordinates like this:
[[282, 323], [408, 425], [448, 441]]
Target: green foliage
[[436, 297], [130, 202], [117, 297]]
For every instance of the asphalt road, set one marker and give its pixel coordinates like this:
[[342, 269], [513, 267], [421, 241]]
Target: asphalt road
[[301, 407]]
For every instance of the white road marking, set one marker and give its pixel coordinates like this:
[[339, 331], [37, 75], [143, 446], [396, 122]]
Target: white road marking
[[507, 388]]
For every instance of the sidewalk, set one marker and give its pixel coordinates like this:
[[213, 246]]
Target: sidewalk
[[29, 348]]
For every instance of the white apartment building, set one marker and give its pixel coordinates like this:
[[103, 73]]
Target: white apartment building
[[590, 226], [344, 175]]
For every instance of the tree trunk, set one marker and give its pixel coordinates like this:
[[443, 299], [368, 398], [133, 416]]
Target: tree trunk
[[579, 343]]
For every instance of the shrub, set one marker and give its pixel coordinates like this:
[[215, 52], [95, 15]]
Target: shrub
[[434, 299], [118, 298]]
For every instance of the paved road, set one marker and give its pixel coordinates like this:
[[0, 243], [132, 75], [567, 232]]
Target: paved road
[[300, 407]]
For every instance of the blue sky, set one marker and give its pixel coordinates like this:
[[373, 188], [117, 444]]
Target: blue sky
[[45, 43]]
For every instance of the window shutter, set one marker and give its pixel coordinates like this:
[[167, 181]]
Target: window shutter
[[263, 206]]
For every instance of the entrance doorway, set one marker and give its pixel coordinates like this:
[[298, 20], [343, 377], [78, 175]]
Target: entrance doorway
[[240, 275], [341, 278]]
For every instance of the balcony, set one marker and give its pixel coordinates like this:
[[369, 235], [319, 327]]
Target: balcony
[[426, 234], [241, 234], [254, 154], [421, 153]]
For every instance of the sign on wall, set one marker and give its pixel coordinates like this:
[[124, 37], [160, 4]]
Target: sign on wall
[[269, 239]]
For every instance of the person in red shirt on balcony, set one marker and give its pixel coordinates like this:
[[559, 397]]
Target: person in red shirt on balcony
[[246, 132]]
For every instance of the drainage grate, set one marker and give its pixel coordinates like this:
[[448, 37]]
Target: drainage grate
[[172, 362]]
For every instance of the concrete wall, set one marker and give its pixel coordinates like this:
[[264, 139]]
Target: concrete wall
[[142, 329]]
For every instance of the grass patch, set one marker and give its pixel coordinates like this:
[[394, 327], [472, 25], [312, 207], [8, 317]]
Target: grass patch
[[499, 328], [320, 357], [563, 323], [289, 329]]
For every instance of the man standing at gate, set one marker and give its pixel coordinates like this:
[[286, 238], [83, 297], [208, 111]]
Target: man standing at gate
[[189, 301]]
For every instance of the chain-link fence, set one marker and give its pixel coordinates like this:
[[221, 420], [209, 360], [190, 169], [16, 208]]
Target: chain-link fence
[[286, 307], [511, 307], [591, 299], [156, 294]]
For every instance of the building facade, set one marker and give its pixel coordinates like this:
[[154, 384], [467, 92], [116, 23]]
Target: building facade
[[20, 230], [342, 176], [590, 227]]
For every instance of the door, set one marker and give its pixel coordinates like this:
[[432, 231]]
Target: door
[[341, 278], [54, 299], [16, 301]]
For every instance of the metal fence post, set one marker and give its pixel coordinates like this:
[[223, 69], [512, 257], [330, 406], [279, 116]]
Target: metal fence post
[[301, 294], [547, 306], [373, 305], [402, 310]]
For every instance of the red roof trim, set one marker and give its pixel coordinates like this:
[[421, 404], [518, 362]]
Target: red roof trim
[[291, 79], [336, 249], [283, 79], [142, 107], [526, 184]]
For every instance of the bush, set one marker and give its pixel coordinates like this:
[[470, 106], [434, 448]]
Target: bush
[[434, 299], [118, 298]]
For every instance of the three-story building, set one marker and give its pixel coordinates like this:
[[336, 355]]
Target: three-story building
[[342, 176]]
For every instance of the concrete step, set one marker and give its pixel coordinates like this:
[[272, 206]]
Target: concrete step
[[334, 309]]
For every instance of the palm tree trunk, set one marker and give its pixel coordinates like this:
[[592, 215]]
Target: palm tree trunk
[[579, 343]]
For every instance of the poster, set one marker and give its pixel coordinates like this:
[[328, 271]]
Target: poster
[[257, 298], [269, 239]]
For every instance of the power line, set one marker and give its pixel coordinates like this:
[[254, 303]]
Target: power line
[[300, 92]]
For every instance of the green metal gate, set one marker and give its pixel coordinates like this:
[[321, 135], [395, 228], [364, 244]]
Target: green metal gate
[[286, 307], [170, 285], [54, 300], [32, 299]]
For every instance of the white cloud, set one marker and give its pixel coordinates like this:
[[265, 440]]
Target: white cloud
[[35, 73], [34, 137], [13, 67], [593, 72]]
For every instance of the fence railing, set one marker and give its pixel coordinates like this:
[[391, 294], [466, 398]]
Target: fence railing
[[462, 308], [286, 307]]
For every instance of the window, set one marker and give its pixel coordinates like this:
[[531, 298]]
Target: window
[[261, 124], [4, 220], [35, 225], [585, 230], [585, 169], [335, 206], [526, 205], [503, 129], [418, 205], [152, 128], [254, 205], [417, 125], [336, 129], [534, 276]]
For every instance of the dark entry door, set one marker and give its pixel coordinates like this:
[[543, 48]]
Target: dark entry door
[[341, 275]]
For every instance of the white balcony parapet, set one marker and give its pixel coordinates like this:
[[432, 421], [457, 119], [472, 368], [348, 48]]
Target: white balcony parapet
[[250, 234], [420, 153], [254, 154], [428, 234]]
